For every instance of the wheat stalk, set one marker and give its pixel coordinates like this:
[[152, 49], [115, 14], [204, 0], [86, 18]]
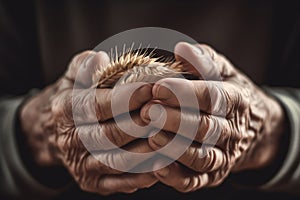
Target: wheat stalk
[[134, 67]]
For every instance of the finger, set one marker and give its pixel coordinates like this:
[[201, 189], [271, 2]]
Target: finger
[[203, 61], [93, 105], [181, 179], [125, 183], [109, 104], [90, 66], [76, 62], [217, 98], [81, 69], [68, 80], [102, 136], [202, 128], [198, 157], [125, 159]]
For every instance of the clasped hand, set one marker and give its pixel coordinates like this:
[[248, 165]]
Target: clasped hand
[[250, 125]]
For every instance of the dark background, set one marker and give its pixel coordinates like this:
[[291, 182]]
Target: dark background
[[38, 39]]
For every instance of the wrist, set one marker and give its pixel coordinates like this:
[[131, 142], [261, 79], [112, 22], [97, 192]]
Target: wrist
[[267, 146], [31, 118], [31, 153], [268, 155], [273, 134]]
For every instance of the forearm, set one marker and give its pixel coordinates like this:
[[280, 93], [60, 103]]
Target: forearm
[[16, 180], [287, 178], [281, 171]]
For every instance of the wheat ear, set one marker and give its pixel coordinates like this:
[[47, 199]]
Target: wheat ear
[[134, 67]]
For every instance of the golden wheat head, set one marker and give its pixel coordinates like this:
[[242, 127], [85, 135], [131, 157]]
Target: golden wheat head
[[135, 67]]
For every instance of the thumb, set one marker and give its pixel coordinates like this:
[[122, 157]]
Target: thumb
[[202, 61], [83, 66]]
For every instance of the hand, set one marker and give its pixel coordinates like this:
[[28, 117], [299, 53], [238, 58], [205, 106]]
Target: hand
[[247, 122], [48, 124]]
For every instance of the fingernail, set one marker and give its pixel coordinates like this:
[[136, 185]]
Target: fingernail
[[88, 61], [160, 139], [163, 172], [152, 133], [153, 112], [145, 90], [161, 91], [197, 50]]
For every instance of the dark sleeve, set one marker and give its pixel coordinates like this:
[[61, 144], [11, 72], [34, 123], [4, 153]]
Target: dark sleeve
[[20, 68], [284, 174], [15, 180], [20, 71], [287, 178], [284, 74], [284, 83]]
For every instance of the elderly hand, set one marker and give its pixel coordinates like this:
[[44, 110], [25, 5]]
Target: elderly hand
[[246, 121], [48, 124]]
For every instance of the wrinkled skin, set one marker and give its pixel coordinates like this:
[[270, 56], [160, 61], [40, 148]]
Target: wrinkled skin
[[250, 123], [48, 125]]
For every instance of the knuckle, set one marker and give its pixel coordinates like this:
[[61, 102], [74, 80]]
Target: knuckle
[[226, 67], [226, 137], [94, 165], [220, 98], [77, 165], [80, 57], [121, 161], [210, 50], [87, 187], [194, 159], [111, 159], [101, 111], [98, 136], [217, 182], [101, 189], [185, 185], [143, 94], [216, 178], [106, 133], [75, 141], [113, 134], [211, 160], [83, 104], [245, 97], [61, 143], [228, 100], [71, 140], [76, 62], [204, 128], [61, 106], [205, 95], [234, 133]]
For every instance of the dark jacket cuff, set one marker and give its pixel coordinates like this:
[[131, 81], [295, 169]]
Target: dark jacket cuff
[[16, 181], [287, 178]]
